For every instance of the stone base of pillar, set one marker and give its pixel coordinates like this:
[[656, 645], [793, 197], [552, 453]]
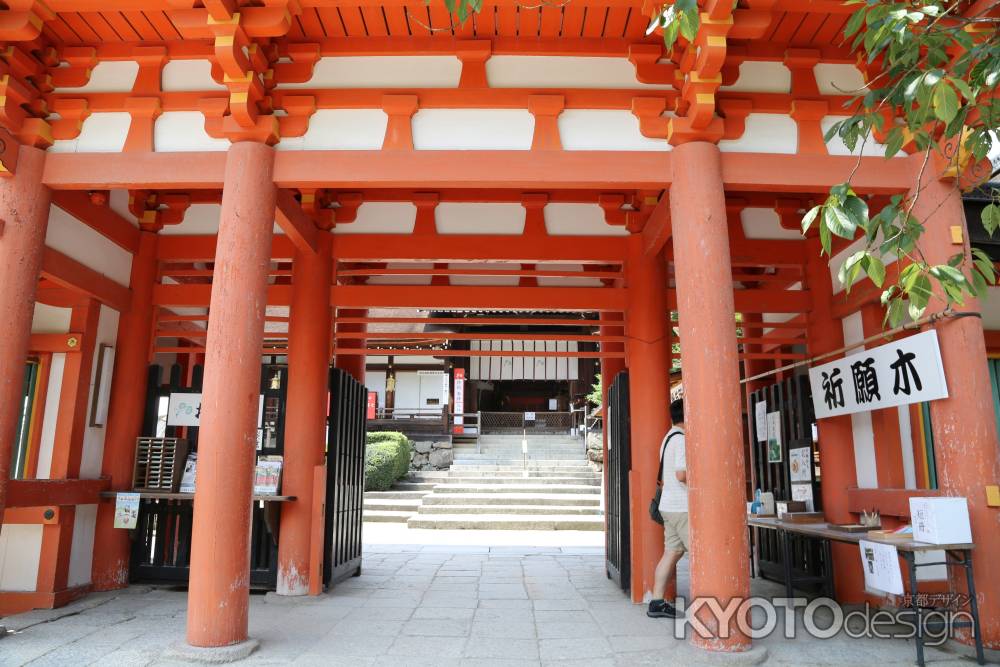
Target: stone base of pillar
[[969, 651], [689, 654], [212, 655]]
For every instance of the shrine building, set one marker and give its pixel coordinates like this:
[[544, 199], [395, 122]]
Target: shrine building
[[282, 205]]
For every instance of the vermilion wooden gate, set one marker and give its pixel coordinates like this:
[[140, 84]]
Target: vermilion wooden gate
[[345, 477], [617, 465]]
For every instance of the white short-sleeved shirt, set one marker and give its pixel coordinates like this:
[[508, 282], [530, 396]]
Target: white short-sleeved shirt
[[675, 493]]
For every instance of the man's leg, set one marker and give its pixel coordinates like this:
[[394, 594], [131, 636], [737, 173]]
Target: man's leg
[[664, 571]]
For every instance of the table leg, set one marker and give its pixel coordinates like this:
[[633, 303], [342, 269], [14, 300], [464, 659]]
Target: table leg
[[919, 637], [786, 558], [973, 605]]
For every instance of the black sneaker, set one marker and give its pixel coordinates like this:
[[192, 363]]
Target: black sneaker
[[661, 609]]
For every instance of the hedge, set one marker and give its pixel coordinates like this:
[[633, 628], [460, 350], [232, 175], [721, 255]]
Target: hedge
[[387, 459]]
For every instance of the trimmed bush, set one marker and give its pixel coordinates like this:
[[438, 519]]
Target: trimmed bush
[[387, 458]]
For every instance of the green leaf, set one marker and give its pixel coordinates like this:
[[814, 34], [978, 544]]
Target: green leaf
[[809, 218], [896, 312], [857, 210], [824, 239], [894, 142], [854, 23], [838, 222], [991, 218], [945, 102], [876, 271]]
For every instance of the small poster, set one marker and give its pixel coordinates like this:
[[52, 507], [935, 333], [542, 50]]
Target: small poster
[[184, 409], [804, 492], [881, 566], [267, 476], [799, 462], [126, 510], [760, 420], [529, 416], [190, 472], [774, 437]]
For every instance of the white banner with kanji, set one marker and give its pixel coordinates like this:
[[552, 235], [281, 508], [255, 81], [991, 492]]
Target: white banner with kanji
[[899, 373]]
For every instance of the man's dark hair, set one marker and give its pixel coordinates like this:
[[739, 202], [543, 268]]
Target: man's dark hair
[[677, 411]]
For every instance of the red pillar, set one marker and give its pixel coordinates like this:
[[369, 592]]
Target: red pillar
[[965, 435], [305, 419], [24, 215], [218, 597], [825, 333], [127, 403], [648, 350], [710, 363], [352, 363]]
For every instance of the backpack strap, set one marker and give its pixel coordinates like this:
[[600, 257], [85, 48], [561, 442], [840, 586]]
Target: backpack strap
[[663, 450]]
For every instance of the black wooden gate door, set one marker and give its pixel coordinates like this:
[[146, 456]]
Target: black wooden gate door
[[616, 470], [793, 400], [345, 477]]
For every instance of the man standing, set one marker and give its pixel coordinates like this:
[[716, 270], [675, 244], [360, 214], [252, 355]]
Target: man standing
[[673, 509]]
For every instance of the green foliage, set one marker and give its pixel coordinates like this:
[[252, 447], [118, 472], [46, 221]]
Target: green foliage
[[594, 397], [938, 67], [387, 459]]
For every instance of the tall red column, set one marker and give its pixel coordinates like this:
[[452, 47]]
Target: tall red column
[[309, 332], [825, 333], [24, 215], [352, 363], [648, 350], [218, 597], [710, 366], [128, 396], [966, 450]]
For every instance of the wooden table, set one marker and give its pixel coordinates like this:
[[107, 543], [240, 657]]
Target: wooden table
[[956, 555]]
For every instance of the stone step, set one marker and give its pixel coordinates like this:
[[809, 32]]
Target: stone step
[[395, 495], [384, 516], [519, 479], [390, 505], [414, 486], [518, 462], [512, 509], [590, 500], [506, 522], [515, 488]]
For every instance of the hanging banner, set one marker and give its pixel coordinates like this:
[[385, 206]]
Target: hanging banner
[[459, 399], [372, 404], [898, 373], [184, 409]]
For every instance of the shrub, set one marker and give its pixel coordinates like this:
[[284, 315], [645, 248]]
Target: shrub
[[387, 458]]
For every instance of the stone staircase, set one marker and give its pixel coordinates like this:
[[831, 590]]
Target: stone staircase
[[499, 487]]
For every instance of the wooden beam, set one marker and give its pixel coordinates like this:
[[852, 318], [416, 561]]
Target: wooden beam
[[63, 343], [102, 219], [474, 247], [446, 335], [481, 321], [657, 231], [203, 170], [427, 352], [496, 273], [172, 248], [768, 253], [437, 297], [767, 172], [193, 296], [298, 227], [68, 272], [39, 492]]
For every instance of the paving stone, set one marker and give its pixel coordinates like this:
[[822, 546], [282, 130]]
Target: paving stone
[[507, 629], [574, 649], [487, 647], [413, 646], [437, 628]]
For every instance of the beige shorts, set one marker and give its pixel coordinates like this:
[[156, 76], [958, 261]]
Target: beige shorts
[[675, 531]]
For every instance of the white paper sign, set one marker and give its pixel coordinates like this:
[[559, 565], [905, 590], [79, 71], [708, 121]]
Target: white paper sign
[[774, 451], [529, 416], [760, 420], [804, 492], [126, 510], [898, 373], [881, 566], [799, 464], [184, 409]]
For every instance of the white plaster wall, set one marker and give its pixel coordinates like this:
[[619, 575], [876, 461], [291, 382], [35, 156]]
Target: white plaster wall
[[20, 551], [838, 79], [375, 381], [50, 319], [384, 72], [184, 131], [475, 218], [381, 218], [510, 281], [341, 129], [562, 72], [114, 76], [765, 133], [102, 132], [50, 415], [199, 220], [78, 241], [81, 555], [760, 76], [764, 223], [188, 75], [861, 422], [93, 436], [473, 129], [579, 220], [604, 130]]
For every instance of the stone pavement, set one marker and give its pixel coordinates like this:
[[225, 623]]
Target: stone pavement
[[437, 605]]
